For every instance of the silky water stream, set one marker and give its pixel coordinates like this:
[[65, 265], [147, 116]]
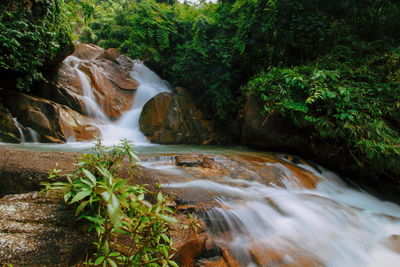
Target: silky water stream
[[272, 212]]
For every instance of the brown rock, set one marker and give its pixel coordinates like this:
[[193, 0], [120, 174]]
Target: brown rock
[[23, 170], [173, 119], [111, 54], [189, 242], [268, 256], [112, 85], [213, 262], [87, 51], [38, 231], [53, 122], [8, 129]]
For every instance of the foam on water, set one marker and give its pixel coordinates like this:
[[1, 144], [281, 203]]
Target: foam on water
[[334, 224]]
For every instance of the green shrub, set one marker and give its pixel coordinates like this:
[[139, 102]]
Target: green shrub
[[356, 102], [32, 33], [115, 209]]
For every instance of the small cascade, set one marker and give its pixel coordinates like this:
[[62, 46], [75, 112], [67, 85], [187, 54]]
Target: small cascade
[[33, 135], [150, 84], [269, 225], [19, 127], [91, 106]]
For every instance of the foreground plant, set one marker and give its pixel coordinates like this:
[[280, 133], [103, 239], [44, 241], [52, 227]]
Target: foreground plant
[[131, 231]]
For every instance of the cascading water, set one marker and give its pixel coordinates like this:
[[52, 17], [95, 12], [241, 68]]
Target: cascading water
[[91, 106], [19, 127], [128, 125], [265, 225]]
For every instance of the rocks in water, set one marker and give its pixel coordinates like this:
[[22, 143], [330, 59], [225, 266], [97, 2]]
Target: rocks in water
[[53, 122], [172, 118], [8, 129], [39, 231]]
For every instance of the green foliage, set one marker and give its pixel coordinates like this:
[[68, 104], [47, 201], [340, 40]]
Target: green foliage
[[118, 211], [31, 35], [356, 102]]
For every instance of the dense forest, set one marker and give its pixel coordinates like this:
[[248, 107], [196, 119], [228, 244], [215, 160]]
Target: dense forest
[[331, 68]]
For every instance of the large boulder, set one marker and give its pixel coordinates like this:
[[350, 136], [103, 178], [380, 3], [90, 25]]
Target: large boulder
[[52, 122], [172, 118], [108, 73], [39, 231]]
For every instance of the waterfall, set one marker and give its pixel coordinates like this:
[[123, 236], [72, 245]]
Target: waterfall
[[332, 225], [19, 127], [91, 106], [33, 135], [127, 126]]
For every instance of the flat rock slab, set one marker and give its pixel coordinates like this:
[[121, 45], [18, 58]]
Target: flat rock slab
[[23, 170], [39, 231]]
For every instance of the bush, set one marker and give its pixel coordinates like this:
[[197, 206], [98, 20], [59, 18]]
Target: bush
[[32, 34], [115, 210], [356, 102]]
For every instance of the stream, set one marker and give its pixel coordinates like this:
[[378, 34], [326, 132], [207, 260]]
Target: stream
[[270, 210]]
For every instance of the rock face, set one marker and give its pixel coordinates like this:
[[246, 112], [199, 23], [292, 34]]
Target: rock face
[[108, 74], [53, 122], [8, 130], [275, 133], [23, 170], [38, 231], [170, 118]]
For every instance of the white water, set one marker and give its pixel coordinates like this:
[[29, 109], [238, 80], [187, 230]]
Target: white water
[[127, 126], [91, 107], [19, 127], [333, 224], [33, 134]]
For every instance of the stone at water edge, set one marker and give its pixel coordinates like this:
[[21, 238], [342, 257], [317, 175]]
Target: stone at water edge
[[23, 170], [39, 231], [170, 118], [8, 129], [52, 121]]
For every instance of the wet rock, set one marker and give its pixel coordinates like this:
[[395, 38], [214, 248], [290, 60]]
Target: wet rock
[[111, 54], [8, 129], [173, 119], [268, 256], [109, 77], [87, 51], [393, 242], [39, 231], [23, 170], [192, 160], [52, 121]]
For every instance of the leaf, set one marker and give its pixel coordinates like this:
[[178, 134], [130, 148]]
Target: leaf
[[99, 260], [94, 219], [81, 195], [167, 218], [81, 207], [159, 197], [165, 237], [112, 262], [173, 264], [91, 177]]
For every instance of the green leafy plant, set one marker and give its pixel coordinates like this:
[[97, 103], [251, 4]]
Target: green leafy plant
[[131, 230]]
